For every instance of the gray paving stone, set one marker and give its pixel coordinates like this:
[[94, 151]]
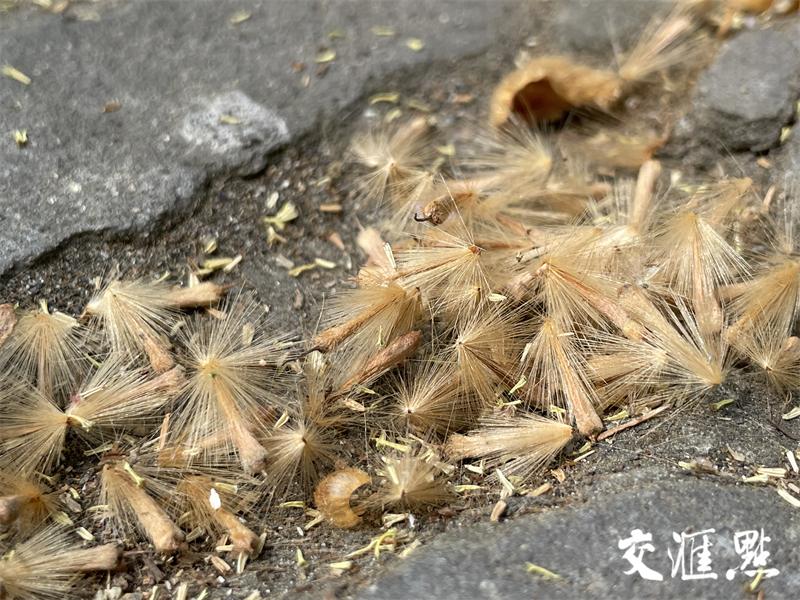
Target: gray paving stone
[[749, 93], [582, 545], [175, 67]]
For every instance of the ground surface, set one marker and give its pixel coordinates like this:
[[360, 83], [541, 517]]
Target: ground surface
[[140, 190]]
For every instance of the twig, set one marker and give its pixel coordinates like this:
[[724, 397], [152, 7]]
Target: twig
[[633, 422]]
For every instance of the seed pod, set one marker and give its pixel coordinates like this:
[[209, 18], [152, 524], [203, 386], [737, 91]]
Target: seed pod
[[333, 494]]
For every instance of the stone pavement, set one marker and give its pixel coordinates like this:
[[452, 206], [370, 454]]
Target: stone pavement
[[581, 545], [197, 96]]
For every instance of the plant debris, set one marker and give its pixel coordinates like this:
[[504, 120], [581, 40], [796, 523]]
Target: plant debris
[[15, 74]]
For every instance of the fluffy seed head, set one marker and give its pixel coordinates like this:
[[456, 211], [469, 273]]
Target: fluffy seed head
[[521, 445], [392, 158], [408, 481], [44, 349], [25, 502], [233, 376], [211, 504], [427, 400], [45, 565], [32, 430], [555, 376], [484, 348], [664, 43], [134, 494]]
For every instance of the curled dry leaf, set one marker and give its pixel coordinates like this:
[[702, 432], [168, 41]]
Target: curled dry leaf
[[333, 494], [546, 87]]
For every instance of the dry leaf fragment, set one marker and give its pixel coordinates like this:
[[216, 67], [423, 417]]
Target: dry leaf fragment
[[722, 403], [542, 489], [393, 115], [325, 56], [223, 262], [498, 511], [286, 214], [325, 264], [383, 31], [792, 461], [284, 262], [776, 472], [273, 237], [390, 97], [463, 98], [220, 565], [736, 455], [84, 534], [545, 573], [792, 414], [339, 568], [198, 295], [21, 137], [418, 105], [240, 16], [210, 245], [793, 500], [547, 87], [301, 560], [300, 269], [232, 265], [112, 106], [446, 150], [15, 74], [467, 487]]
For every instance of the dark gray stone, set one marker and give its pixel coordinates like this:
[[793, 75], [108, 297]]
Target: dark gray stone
[[602, 28], [175, 67], [748, 94], [789, 162], [234, 130], [581, 545]]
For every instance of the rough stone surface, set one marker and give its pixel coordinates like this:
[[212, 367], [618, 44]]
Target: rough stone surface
[[594, 28], [580, 544], [748, 94], [789, 161], [174, 67], [234, 130]]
